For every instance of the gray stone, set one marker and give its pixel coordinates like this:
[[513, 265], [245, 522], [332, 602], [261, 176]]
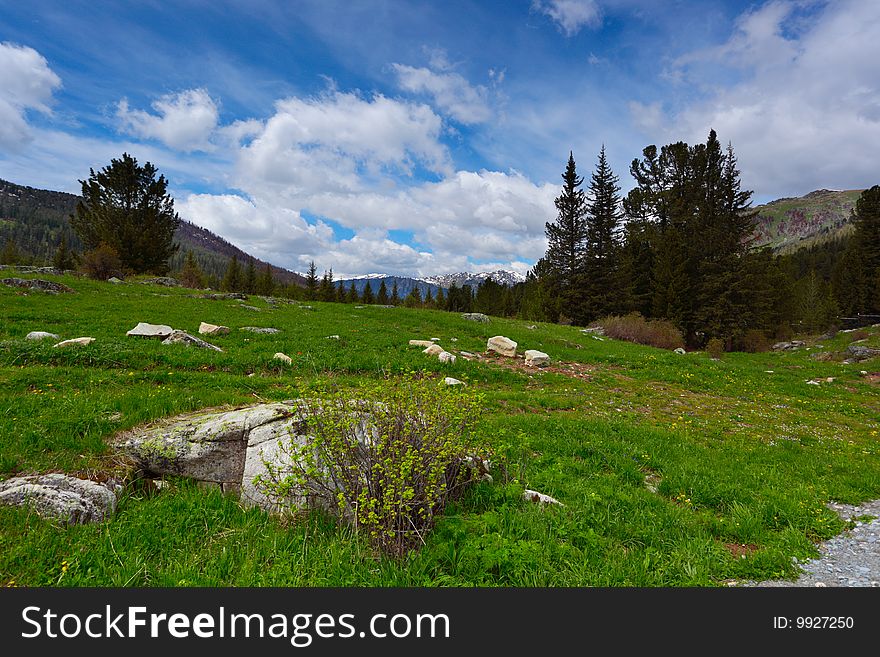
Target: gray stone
[[247, 307], [114, 280], [540, 498], [71, 500], [75, 342], [260, 329], [225, 296], [284, 358], [501, 345], [37, 284], [535, 358], [145, 330], [446, 357], [475, 317], [861, 352], [184, 338], [212, 329], [453, 382], [788, 346], [434, 350], [164, 281], [680, 351], [420, 343], [40, 335]]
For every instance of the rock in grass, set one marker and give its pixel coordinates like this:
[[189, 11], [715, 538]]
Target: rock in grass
[[75, 342], [446, 357], [501, 345], [114, 280], [453, 382], [184, 338], [71, 500], [260, 329], [164, 281], [36, 284], [420, 343], [40, 335], [861, 352], [475, 317], [284, 358], [540, 498], [434, 350], [680, 351], [247, 307], [145, 330], [224, 297], [212, 329], [535, 358]]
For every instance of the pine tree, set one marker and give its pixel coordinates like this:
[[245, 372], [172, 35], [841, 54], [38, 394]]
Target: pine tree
[[367, 296], [266, 282], [9, 255], [127, 208], [250, 277], [395, 295], [414, 298], [601, 274], [191, 275], [866, 249], [440, 301], [382, 294], [567, 240], [327, 290], [353, 296], [312, 282], [429, 299], [233, 280], [63, 258]]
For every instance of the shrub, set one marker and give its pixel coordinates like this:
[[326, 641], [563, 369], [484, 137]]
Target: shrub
[[659, 333], [754, 341], [715, 347], [387, 461], [102, 262]]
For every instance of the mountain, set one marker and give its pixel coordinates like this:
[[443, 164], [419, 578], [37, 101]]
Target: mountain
[[790, 224], [404, 284], [433, 283], [37, 218], [500, 276]]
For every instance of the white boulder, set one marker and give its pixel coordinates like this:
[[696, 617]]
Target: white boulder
[[501, 345]]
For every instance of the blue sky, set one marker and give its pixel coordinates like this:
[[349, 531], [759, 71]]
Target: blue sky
[[427, 137]]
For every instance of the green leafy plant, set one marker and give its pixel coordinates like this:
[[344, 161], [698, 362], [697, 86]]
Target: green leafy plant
[[387, 458]]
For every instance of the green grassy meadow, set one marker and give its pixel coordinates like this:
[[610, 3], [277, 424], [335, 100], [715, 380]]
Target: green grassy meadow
[[743, 453]]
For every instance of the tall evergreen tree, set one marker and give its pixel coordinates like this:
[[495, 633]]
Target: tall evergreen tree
[[63, 258], [266, 282], [233, 279], [327, 289], [865, 251], [601, 272], [440, 300], [367, 296], [414, 298], [312, 282], [382, 294], [191, 275], [395, 295], [353, 296], [250, 277], [9, 255], [567, 240], [128, 208]]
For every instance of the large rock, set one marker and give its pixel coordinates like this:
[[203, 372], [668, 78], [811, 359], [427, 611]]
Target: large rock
[[420, 343], [164, 281], [75, 342], [788, 346], [446, 357], [539, 498], [36, 284], [434, 350], [145, 330], [184, 338], [225, 296], [114, 280], [40, 335], [475, 317], [71, 500], [535, 358], [284, 358], [861, 352], [260, 329], [501, 345], [212, 329]]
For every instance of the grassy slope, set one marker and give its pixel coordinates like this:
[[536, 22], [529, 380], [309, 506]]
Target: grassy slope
[[742, 456], [790, 224]]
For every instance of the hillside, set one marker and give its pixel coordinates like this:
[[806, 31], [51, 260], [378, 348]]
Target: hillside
[[36, 219], [674, 470], [790, 224]]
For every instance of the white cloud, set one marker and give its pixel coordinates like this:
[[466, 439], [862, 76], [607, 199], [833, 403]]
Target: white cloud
[[451, 93], [183, 121], [26, 83], [570, 15], [803, 111]]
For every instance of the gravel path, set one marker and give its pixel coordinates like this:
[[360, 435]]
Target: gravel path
[[849, 559]]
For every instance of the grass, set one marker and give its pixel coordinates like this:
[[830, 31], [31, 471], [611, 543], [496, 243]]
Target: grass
[[743, 453]]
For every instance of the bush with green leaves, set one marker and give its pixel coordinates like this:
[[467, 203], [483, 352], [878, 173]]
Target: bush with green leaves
[[387, 458]]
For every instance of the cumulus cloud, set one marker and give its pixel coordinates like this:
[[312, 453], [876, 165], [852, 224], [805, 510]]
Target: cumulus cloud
[[26, 83], [570, 15], [450, 92], [803, 111], [183, 121]]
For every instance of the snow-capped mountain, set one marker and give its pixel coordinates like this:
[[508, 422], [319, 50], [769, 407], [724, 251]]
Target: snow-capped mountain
[[500, 276]]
